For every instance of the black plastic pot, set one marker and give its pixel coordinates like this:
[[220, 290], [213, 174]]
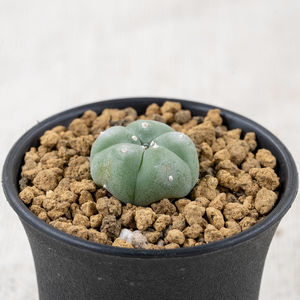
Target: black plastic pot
[[72, 268]]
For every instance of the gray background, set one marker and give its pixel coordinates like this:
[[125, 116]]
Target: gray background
[[240, 55]]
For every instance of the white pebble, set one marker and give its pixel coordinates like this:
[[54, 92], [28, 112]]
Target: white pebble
[[126, 235], [136, 238], [171, 178], [160, 242], [104, 185], [145, 124], [124, 149], [134, 138]]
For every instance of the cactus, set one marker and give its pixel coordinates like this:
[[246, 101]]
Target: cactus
[[144, 162]]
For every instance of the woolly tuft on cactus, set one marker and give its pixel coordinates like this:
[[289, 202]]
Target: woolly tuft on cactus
[[144, 162]]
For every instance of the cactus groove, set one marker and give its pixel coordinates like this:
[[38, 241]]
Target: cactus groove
[[144, 162]]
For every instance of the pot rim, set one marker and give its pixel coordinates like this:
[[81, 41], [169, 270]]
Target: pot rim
[[11, 188]]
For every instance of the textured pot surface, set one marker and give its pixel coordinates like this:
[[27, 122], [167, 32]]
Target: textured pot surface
[[71, 268], [67, 272]]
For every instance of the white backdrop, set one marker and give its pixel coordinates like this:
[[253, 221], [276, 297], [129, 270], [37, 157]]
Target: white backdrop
[[240, 55]]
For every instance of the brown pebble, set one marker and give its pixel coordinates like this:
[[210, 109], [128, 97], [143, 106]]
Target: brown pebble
[[85, 196], [228, 166], [203, 201], [79, 127], [204, 132], [266, 158], [78, 231], [61, 209], [84, 185], [82, 144], [178, 222], [265, 201], [46, 180], [162, 222], [164, 207], [170, 106], [238, 151], [36, 209], [193, 213], [206, 152], [101, 192], [219, 201], [265, 177], [89, 208], [181, 203], [152, 109], [151, 246], [250, 163], [231, 136], [221, 155], [215, 217], [80, 219], [49, 139], [175, 236], [250, 139], [127, 216], [38, 200], [97, 237], [247, 222], [88, 117], [28, 194], [78, 168], [75, 209], [206, 187], [193, 231], [61, 225], [218, 145], [212, 234], [247, 201], [121, 243], [159, 118], [96, 220], [144, 217], [172, 246], [182, 116], [189, 243], [44, 216], [227, 180], [110, 226], [169, 117], [235, 211], [213, 115], [232, 227], [109, 206], [152, 236], [101, 122], [246, 183]]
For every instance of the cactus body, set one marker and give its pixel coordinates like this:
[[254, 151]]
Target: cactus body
[[144, 162]]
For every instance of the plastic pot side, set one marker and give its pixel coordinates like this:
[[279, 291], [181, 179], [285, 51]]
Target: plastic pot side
[[71, 268]]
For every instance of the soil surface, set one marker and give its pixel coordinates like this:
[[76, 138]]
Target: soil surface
[[237, 184]]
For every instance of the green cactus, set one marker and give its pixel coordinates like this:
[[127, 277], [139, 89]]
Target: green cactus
[[144, 162]]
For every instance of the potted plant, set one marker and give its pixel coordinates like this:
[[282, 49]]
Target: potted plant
[[72, 268]]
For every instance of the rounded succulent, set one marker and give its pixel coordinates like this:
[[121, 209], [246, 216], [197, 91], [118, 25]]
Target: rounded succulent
[[144, 162]]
